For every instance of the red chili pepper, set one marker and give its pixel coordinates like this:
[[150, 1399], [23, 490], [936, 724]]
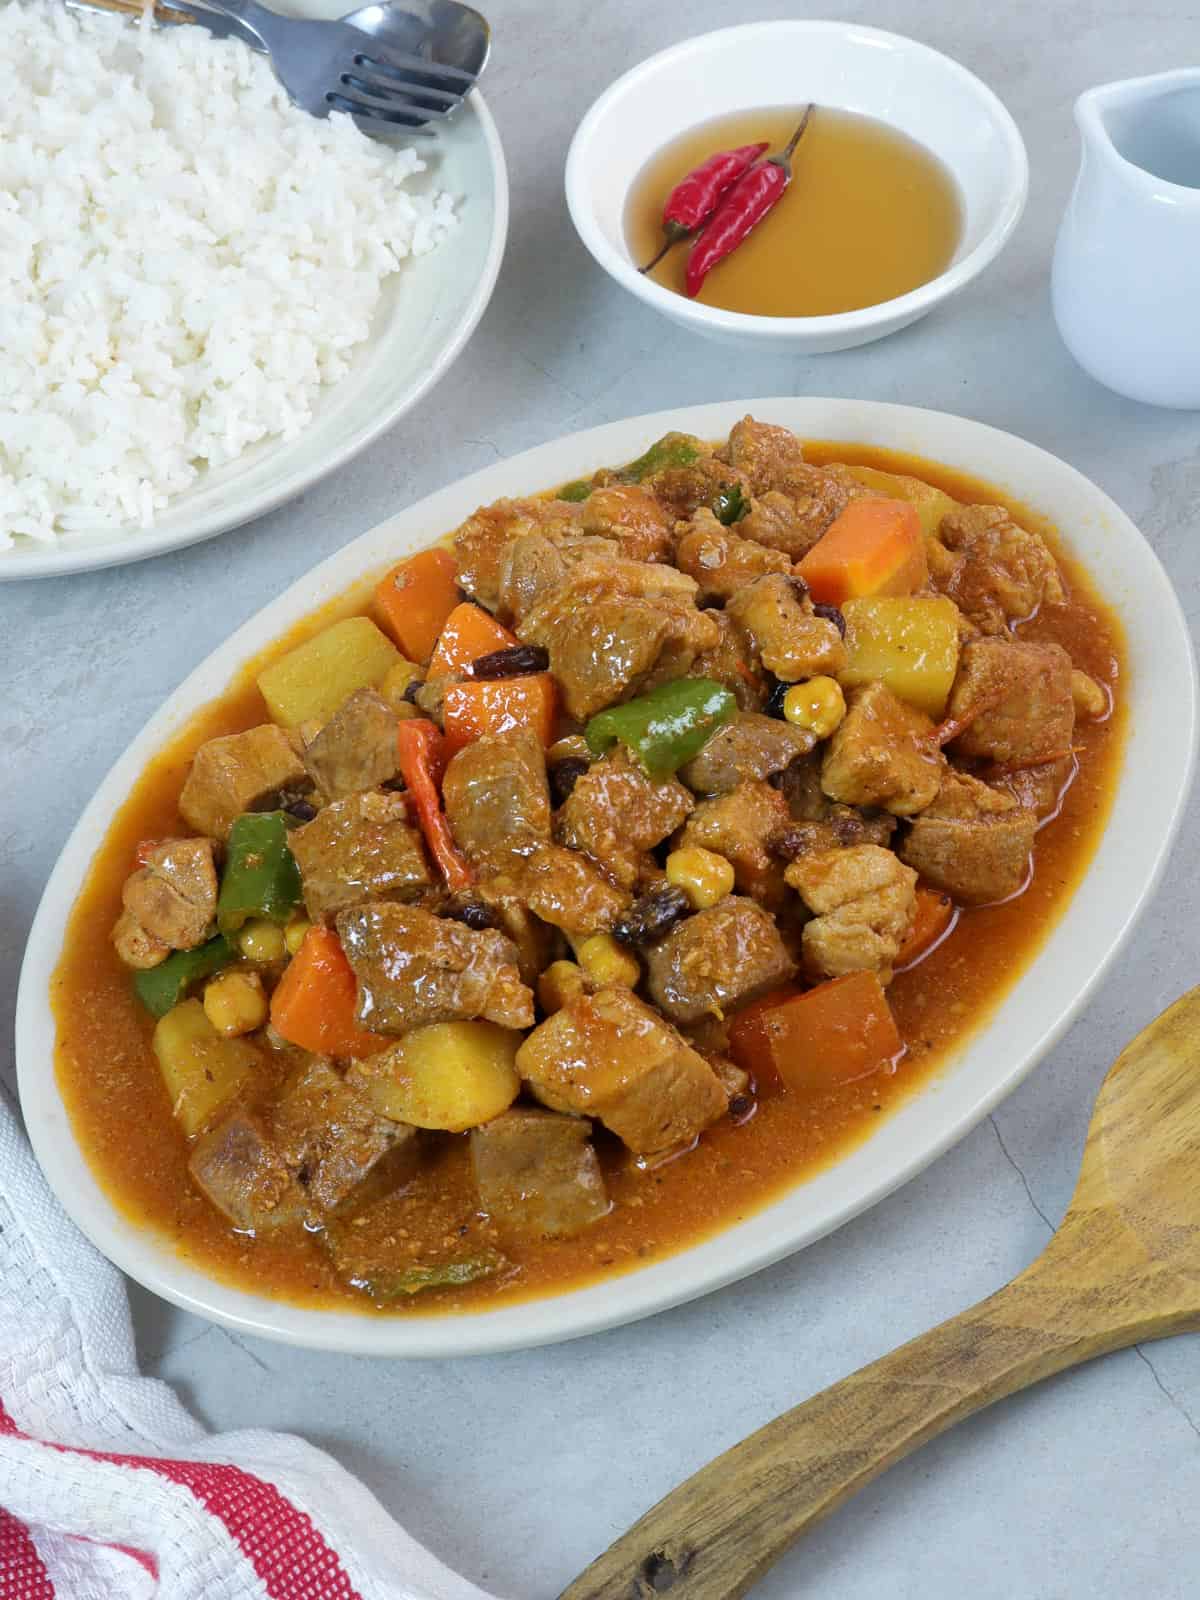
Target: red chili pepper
[[755, 194], [694, 198], [422, 760]]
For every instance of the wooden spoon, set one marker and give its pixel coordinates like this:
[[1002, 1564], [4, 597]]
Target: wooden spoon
[[1124, 1266]]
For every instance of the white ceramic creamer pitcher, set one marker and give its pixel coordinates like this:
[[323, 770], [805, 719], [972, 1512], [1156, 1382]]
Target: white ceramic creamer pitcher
[[1126, 278]]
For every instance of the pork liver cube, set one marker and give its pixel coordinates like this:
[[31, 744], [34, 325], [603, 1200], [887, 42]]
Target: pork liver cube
[[537, 1173], [341, 1150], [614, 627], [414, 968], [610, 1056], [240, 772], [1017, 698], [357, 849], [356, 749], [718, 959], [882, 755], [752, 746], [497, 797], [242, 1170]]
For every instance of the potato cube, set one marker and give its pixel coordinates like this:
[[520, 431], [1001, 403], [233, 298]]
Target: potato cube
[[908, 643], [448, 1075], [314, 679], [200, 1069]]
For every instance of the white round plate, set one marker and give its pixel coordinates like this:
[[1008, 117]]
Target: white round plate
[[1160, 691], [429, 311]]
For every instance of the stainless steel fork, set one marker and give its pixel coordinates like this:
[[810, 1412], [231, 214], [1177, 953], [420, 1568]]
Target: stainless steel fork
[[385, 65]]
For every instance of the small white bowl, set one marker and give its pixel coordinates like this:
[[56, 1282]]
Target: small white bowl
[[765, 64]]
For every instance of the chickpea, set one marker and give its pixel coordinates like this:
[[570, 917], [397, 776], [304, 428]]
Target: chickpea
[[703, 875], [817, 706], [235, 1003]]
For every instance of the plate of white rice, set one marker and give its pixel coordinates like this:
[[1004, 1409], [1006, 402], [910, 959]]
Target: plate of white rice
[[208, 299]]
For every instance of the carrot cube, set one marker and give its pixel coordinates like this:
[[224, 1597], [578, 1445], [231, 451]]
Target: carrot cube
[[496, 705], [874, 547], [820, 1040], [414, 599], [469, 632]]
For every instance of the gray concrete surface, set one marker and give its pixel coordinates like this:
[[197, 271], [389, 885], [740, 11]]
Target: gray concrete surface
[[517, 1470]]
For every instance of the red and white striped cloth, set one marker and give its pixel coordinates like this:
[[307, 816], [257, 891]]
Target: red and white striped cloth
[[109, 1490]]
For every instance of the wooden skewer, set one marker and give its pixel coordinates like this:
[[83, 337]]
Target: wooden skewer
[[1123, 1267]]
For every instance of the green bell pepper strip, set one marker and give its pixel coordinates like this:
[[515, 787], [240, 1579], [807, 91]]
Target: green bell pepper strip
[[261, 878], [672, 450], [386, 1287], [575, 491], [165, 985], [665, 728], [730, 505]]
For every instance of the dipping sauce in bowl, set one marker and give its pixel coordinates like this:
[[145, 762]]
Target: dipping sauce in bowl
[[870, 214]]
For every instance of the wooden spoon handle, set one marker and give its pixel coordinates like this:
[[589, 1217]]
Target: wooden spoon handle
[[711, 1538]]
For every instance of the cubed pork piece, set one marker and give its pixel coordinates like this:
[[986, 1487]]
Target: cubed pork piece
[[483, 541], [973, 842], [792, 641], [1039, 789], [820, 823], [629, 515], [751, 746], [720, 559], [173, 898], [497, 798], [136, 947], [740, 826], [883, 754], [1014, 699], [999, 573], [242, 1169], [613, 628], [790, 526], [733, 661], [767, 454], [239, 772], [615, 814], [862, 900], [538, 563], [685, 489], [716, 960], [414, 968], [342, 1152], [610, 1056], [356, 749], [537, 1173], [562, 887], [357, 849]]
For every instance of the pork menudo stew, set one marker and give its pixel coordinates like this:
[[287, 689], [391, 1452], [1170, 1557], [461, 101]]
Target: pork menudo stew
[[548, 914]]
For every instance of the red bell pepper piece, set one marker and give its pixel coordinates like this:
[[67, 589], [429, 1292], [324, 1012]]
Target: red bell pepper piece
[[422, 760]]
